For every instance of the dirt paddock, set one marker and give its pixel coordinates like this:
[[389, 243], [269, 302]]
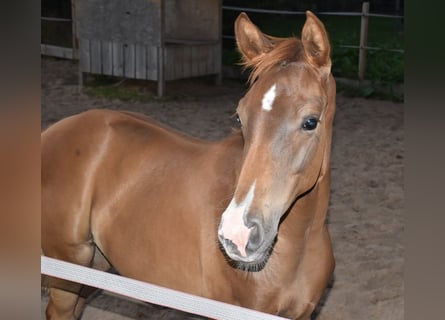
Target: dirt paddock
[[366, 208]]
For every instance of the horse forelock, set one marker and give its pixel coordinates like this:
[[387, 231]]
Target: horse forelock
[[286, 50]]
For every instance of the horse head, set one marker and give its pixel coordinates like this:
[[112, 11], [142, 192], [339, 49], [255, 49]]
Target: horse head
[[286, 122]]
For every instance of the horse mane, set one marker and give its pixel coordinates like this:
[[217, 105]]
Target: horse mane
[[284, 51]]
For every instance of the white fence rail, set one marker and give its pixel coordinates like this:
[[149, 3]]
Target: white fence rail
[[148, 292]]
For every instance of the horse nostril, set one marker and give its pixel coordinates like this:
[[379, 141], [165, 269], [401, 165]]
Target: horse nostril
[[256, 237]]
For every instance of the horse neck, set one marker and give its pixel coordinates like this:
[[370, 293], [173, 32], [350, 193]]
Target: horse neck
[[305, 217]]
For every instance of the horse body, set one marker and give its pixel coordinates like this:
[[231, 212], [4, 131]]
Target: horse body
[[241, 220]]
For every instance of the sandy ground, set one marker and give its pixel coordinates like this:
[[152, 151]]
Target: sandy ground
[[366, 211]]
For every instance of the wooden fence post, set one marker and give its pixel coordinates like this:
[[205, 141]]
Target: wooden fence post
[[363, 41]]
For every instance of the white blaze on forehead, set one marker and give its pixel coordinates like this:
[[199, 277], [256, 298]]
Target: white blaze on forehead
[[233, 227], [269, 98]]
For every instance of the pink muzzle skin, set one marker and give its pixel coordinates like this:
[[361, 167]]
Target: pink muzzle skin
[[232, 226], [233, 229]]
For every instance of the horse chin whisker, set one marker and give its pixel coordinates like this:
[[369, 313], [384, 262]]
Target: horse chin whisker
[[249, 268]]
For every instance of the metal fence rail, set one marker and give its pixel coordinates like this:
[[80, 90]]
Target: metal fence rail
[[326, 13], [364, 14], [56, 19]]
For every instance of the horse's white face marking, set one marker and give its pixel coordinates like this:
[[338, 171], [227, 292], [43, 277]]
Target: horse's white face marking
[[233, 227], [269, 98]]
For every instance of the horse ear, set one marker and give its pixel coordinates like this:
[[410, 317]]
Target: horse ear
[[316, 42], [250, 40]]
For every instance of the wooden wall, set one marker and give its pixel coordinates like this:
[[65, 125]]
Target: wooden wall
[[150, 39]]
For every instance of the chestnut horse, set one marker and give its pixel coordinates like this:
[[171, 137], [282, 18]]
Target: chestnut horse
[[241, 220]]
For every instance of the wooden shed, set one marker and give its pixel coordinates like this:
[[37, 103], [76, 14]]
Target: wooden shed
[[158, 40]]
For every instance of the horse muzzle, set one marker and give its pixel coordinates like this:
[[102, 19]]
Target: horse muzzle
[[245, 244]]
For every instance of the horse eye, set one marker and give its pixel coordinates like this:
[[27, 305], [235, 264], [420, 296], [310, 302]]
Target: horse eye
[[310, 124], [238, 120]]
